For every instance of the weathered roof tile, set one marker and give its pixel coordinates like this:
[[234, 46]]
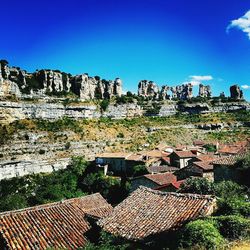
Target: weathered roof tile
[[147, 212], [59, 224]]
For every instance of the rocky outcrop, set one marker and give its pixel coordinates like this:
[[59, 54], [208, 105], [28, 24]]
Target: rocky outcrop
[[164, 94], [236, 93], [205, 91], [15, 81], [182, 92], [151, 90], [148, 89]]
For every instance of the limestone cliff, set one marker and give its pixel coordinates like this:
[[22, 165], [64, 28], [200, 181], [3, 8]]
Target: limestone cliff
[[17, 82]]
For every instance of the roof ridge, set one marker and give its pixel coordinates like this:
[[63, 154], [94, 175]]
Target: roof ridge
[[189, 195], [46, 205]]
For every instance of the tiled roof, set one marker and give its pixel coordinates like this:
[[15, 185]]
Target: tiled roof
[[58, 225], [199, 143], [94, 205], [229, 160], [206, 157], [161, 168], [135, 157], [148, 212], [205, 165], [185, 154], [114, 155], [175, 184], [161, 178], [152, 153], [234, 148]]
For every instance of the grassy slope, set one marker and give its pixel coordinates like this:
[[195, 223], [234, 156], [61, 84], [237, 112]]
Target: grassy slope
[[131, 134]]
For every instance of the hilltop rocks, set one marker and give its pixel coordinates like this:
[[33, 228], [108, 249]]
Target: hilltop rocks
[[15, 82], [236, 93], [205, 91], [151, 90], [148, 89], [164, 93]]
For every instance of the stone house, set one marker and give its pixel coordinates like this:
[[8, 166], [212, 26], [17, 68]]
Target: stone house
[[116, 161], [181, 159], [199, 169], [226, 168]]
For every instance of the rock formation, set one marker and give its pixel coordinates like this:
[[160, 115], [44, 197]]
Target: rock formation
[[14, 81], [205, 91], [236, 93], [164, 92], [148, 89], [182, 92]]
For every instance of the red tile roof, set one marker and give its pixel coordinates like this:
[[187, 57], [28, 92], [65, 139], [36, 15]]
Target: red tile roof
[[199, 143], [206, 157], [148, 212], [205, 165], [175, 184], [229, 160], [93, 205], [161, 169], [161, 178], [58, 225], [185, 154]]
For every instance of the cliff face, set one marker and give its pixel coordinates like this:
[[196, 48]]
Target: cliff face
[[12, 111], [17, 82]]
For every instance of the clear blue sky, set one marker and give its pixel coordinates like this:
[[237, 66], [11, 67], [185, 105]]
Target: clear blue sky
[[162, 40]]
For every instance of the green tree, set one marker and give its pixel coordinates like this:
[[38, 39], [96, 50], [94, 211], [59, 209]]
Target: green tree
[[200, 233], [197, 186]]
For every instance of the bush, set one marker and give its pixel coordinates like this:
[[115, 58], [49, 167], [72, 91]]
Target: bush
[[201, 233], [233, 206], [120, 135], [139, 170], [42, 151], [104, 104], [229, 189], [197, 186], [233, 227]]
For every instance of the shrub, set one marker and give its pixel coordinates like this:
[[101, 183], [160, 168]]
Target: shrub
[[120, 135], [67, 145], [139, 170], [233, 227], [197, 186], [229, 189], [233, 206], [104, 104], [201, 233], [41, 151]]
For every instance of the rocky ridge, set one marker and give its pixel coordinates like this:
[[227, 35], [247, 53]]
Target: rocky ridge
[[17, 82]]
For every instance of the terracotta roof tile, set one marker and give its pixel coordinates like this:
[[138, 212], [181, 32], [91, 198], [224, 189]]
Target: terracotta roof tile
[[114, 155], [185, 154], [206, 157], [229, 160], [161, 178], [147, 212], [94, 205], [58, 225], [205, 165]]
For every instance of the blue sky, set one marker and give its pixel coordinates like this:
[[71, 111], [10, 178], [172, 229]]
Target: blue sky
[[169, 42]]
